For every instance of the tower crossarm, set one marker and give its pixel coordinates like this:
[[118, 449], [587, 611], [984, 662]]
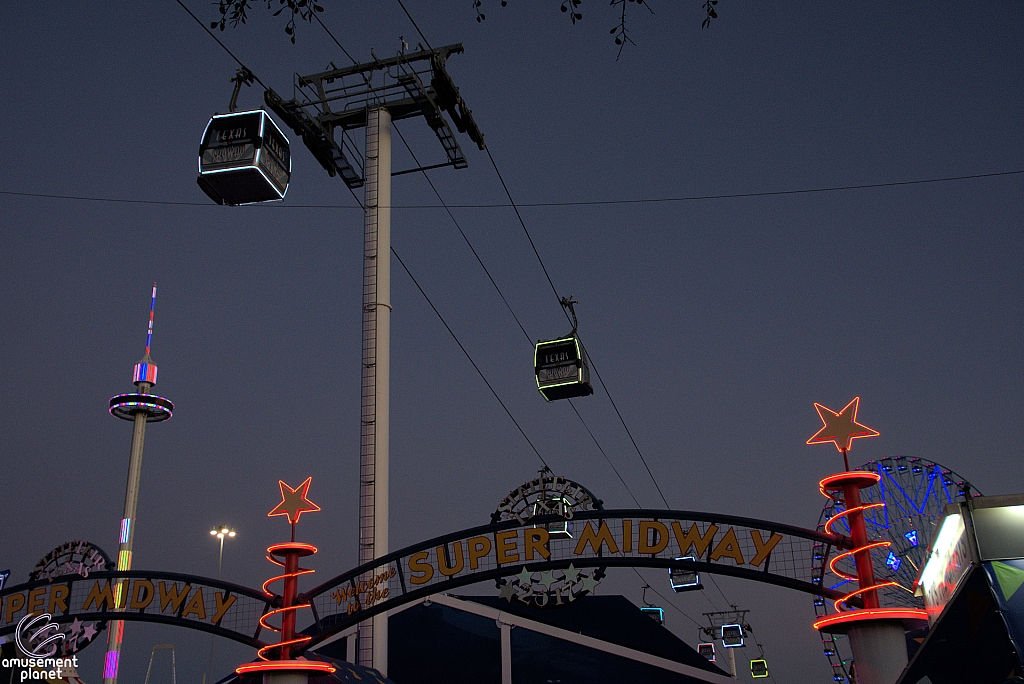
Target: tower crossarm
[[436, 121], [318, 137], [408, 85]]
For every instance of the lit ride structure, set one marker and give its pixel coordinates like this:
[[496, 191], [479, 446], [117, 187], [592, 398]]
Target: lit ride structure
[[139, 407], [276, 662], [914, 492], [876, 633]]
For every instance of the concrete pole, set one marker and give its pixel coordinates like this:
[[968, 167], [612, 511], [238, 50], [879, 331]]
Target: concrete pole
[[731, 659], [879, 651], [115, 630], [374, 429]]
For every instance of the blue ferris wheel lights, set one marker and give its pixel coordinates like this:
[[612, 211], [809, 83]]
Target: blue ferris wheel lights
[[911, 537], [893, 561]]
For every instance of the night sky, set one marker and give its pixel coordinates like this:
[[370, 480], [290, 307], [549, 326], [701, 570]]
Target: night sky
[[716, 323]]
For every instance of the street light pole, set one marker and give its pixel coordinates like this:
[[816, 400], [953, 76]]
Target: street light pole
[[220, 531]]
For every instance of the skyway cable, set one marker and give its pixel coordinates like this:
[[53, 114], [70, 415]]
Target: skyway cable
[[455, 337]]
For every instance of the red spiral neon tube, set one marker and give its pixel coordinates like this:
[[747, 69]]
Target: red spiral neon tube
[[290, 552]]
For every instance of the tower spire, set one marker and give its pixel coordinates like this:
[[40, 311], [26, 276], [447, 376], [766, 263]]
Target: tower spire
[[145, 369], [152, 310]]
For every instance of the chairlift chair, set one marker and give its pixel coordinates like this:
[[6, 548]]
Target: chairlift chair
[[561, 365], [657, 614], [561, 529]]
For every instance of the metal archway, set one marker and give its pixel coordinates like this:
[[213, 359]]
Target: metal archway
[[747, 548]]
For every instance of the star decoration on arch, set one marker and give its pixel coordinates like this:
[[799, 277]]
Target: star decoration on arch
[[294, 502], [840, 428]]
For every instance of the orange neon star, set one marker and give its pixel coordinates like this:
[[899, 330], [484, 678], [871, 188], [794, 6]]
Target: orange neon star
[[294, 502], [841, 428]]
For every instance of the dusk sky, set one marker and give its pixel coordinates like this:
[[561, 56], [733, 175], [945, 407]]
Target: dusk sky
[[716, 323]]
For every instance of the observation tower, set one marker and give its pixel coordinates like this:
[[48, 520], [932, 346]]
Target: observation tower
[[140, 407]]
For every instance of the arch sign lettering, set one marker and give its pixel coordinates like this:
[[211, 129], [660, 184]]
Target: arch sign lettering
[[221, 608], [524, 554], [548, 544]]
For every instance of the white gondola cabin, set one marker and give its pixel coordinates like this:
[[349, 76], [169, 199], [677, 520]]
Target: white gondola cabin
[[732, 635], [562, 369], [244, 158], [559, 505], [684, 579]]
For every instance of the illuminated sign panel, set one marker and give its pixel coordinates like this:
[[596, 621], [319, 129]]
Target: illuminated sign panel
[[948, 563], [1000, 532], [230, 142], [558, 362]]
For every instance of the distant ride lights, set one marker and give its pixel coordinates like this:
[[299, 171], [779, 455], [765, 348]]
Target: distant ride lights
[[276, 662], [876, 633]]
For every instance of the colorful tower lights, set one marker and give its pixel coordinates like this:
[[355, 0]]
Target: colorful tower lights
[[876, 633], [139, 407]]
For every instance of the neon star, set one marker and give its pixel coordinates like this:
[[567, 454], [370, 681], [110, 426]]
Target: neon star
[[840, 428], [294, 502]]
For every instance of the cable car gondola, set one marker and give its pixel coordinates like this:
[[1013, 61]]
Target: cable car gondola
[[684, 579], [732, 635], [244, 157], [759, 668], [561, 365], [707, 650], [654, 612]]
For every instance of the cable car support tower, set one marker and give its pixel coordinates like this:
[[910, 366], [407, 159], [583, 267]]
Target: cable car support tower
[[323, 111]]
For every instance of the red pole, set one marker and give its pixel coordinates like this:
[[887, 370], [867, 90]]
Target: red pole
[[859, 536], [291, 582]]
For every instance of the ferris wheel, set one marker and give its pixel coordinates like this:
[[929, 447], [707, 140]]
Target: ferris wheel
[[914, 491]]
